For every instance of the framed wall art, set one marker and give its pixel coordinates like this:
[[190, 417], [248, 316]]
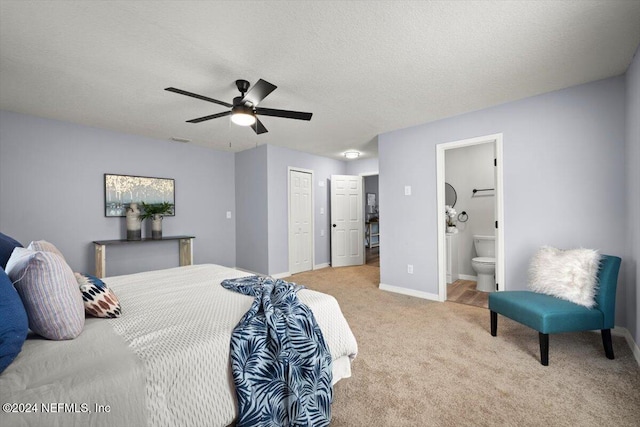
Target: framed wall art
[[120, 190]]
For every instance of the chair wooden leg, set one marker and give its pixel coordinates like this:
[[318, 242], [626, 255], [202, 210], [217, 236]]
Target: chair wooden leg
[[494, 323], [544, 348], [606, 341]]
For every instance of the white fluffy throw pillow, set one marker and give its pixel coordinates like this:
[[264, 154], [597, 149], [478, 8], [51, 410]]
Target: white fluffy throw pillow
[[568, 274]]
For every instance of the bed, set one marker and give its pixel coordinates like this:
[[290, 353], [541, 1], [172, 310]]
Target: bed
[[164, 362]]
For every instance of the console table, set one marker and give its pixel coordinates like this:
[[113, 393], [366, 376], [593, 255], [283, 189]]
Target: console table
[[185, 250]]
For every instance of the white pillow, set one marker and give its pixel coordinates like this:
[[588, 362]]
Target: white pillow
[[571, 274], [19, 257]]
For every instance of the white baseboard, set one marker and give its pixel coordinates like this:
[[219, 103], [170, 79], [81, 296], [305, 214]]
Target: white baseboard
[[410, 292], [624, 332], [467, 277], [323, 265]]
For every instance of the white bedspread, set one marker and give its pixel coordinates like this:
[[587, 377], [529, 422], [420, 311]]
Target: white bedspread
[[179, 323]]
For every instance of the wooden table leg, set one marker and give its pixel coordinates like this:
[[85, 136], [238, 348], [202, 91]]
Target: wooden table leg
[[100, 254], [186, 252]]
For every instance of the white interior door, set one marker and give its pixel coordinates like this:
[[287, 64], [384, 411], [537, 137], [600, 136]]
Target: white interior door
[[347, 225], [300, 222]]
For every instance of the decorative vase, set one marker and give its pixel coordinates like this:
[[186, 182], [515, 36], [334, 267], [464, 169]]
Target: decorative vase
[[134, 225], [156, 227]]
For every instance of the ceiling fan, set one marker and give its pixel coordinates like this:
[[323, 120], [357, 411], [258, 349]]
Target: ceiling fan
[[244, 108]]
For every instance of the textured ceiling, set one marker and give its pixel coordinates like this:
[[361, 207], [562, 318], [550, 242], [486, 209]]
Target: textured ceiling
[[361, 68]]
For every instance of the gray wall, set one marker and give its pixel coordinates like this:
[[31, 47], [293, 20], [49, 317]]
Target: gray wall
[[52, 188], [251, 205], [632, 231], [366, 166], [279, 160], [564, 181], [263, 211]]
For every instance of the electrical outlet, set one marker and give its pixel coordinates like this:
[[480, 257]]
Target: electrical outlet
[[410, 268], [321, 211], [321, 233], [228, 214], [407, 190]]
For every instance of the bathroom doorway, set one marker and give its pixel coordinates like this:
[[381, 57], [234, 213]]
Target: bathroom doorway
[[470, 231]]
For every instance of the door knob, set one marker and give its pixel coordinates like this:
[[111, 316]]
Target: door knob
[[334, 225]]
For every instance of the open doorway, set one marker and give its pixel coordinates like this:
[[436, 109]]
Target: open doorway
[[372, 220], [470, 231]]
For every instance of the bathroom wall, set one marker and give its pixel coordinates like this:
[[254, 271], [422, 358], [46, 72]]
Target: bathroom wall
[[466, 169]]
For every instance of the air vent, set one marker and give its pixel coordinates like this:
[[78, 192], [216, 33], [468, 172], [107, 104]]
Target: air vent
[[185, 140]]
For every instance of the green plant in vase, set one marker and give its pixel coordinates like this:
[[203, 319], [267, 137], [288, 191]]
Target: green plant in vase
[[156, 211]]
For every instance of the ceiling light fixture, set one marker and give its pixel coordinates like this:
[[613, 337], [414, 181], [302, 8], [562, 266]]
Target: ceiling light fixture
[[352, 154], [243, 116]]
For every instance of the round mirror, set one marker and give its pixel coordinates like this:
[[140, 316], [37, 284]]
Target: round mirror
[[450, 195]]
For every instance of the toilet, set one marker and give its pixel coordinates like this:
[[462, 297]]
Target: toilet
[[485, 263]]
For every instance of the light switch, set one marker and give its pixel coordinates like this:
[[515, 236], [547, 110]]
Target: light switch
[[228, 214], [321, 233], [407, 190], [320, 183]]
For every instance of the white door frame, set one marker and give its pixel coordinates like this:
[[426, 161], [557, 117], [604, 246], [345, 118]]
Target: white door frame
[[499, 194], [313, 216]]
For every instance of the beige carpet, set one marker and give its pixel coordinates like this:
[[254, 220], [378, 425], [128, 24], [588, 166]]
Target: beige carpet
[[423, 363]]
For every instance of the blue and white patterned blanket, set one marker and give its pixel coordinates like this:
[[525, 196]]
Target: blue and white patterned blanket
[[281, 364]]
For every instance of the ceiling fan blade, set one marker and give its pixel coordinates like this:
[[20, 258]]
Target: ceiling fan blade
[[213, 116], [258, 92], [195, 95], [299, 115], [258, 127]]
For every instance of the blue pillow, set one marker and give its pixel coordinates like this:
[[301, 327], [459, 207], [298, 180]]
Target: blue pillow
[[14, 324], [7, 245]]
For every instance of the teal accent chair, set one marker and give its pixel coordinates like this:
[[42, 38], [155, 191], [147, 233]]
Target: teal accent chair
[[550, 315]]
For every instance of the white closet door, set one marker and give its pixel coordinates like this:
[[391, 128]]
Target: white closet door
[[300, 227]]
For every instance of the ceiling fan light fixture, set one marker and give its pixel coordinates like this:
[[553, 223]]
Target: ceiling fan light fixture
[[243, 116], [352, 154]]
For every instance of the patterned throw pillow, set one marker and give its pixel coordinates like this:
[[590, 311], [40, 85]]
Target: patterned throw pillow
[[49, 292], [99, 300]]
